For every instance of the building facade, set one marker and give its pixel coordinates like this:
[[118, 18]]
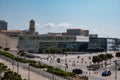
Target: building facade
[[11, 33], [3, 25], [101, 44], [37, 42], [79, 32]]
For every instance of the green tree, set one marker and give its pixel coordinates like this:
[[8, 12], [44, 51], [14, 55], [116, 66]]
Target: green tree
[[104, 58], [9, 75], [20, 53], [2, 69], [96, 59], [117, 55], [109, 56]]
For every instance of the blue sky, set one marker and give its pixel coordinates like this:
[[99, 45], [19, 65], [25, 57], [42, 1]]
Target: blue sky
[[101, 17]]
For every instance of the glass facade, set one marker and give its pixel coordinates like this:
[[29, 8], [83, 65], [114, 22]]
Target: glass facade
[[101, 44], [3, 25], [110, 44], [97, 44], [72, 46], [34, 43]]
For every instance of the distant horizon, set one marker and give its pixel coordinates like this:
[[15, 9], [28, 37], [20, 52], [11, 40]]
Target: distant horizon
[[100, 17]]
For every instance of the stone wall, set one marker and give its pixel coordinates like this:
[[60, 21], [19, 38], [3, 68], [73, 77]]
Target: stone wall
[[10, 42]]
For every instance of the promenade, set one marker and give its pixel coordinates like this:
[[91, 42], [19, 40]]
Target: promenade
[[23, 72]]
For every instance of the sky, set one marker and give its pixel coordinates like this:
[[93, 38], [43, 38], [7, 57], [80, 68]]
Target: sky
[[100, 17]]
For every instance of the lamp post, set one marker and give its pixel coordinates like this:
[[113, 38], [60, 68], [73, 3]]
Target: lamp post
[[28, 71], [17, 64], [53, 64], [115, 69], [13, 65], [66, 62]]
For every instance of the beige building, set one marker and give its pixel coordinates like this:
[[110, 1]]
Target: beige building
[[12, 33]]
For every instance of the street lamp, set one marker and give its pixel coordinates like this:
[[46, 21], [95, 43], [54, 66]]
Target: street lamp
[[66, 65], [17, 66], [28, 71], [116, 68], [13, 65]]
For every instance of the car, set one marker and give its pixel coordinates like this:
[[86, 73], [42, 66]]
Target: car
[[77, 71], [118, 69], [58, 60], [93, 67], [106, 73]]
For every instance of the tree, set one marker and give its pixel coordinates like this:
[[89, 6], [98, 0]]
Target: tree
[[96, 59], [9, 75], [117, 54], [104, 58], [20, 53], [2, 69], [109, 56]]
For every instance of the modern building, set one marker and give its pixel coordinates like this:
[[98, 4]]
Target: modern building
[[117, 43], [36, 42], [84, 33], [93, 35], [3, 25], [76, 32], [73, 31], [101, 44]]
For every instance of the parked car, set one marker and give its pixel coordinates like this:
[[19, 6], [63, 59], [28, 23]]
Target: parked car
[[77, 71], [93, 67], [118, 69], [106, 73]]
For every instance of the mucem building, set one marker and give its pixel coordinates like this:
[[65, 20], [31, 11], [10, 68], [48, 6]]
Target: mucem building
[[37, 43]]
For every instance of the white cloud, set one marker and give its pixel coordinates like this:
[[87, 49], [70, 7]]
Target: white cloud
[[53, 25], [65, 25], [37, 25]]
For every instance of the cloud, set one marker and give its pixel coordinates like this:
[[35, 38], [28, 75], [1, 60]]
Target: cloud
[[49, 25], [53, 25], [65, 25], [38, 25]]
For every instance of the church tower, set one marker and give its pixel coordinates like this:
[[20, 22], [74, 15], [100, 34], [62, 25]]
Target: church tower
[[32, 27]]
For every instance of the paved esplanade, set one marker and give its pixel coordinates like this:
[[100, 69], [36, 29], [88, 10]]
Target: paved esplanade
[[74, 62]]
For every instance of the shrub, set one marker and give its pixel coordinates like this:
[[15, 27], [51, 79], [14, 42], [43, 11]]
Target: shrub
[[34, 65], [21, 60], [6, 49]]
